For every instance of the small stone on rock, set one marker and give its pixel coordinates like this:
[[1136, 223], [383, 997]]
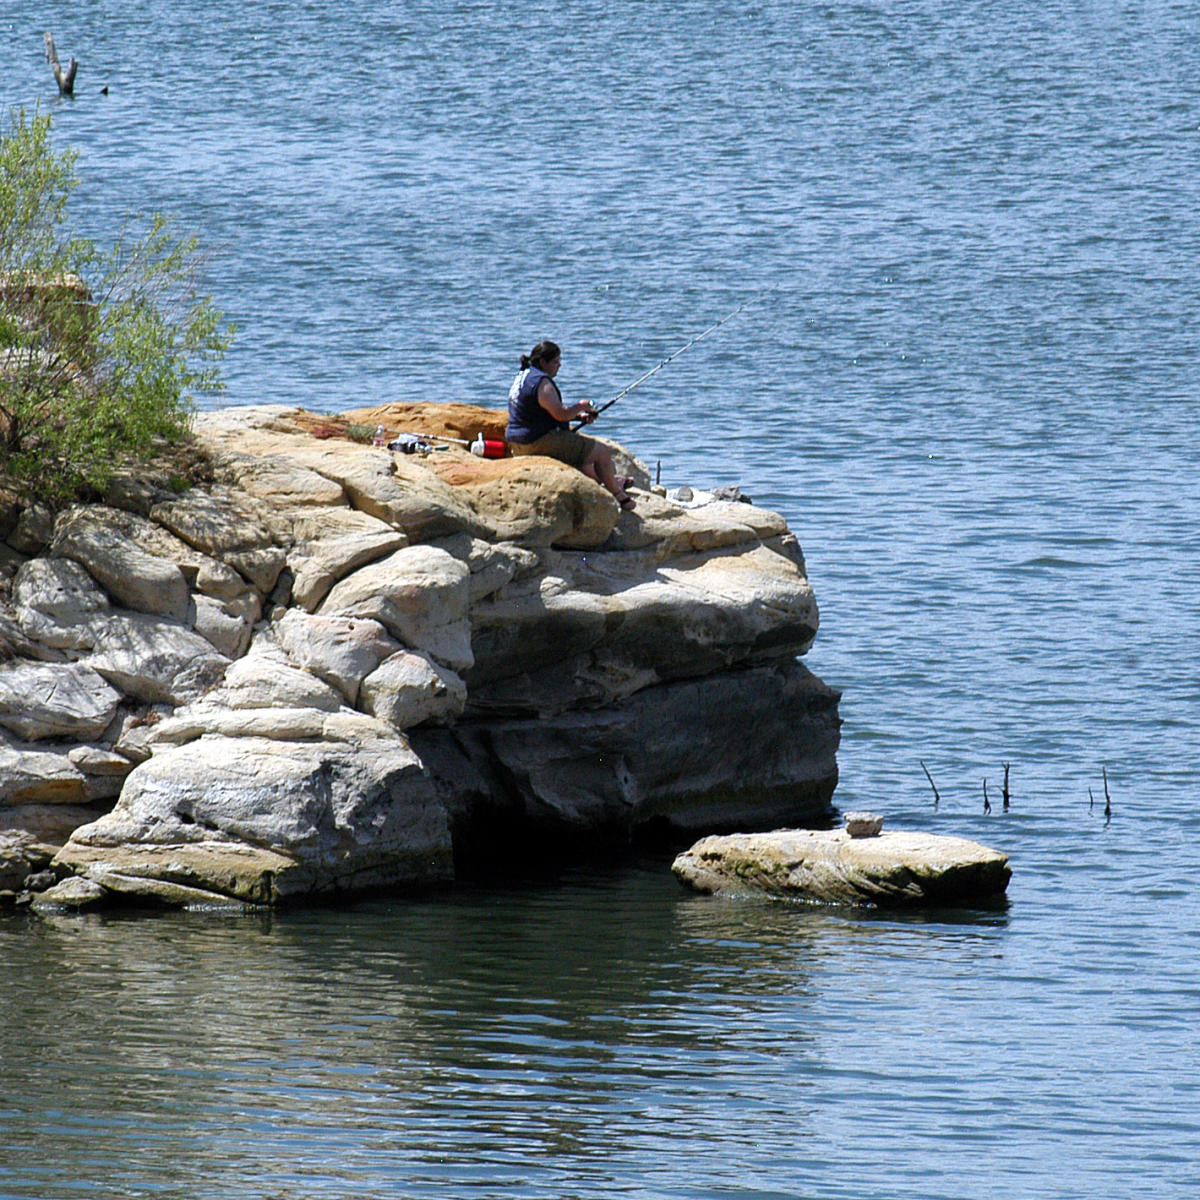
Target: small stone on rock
[[863, 824]]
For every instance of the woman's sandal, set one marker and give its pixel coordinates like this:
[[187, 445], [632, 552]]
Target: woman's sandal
[[628, 503]]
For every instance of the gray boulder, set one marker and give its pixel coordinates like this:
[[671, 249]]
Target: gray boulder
[[55, 700], [134, 578], [749, 747], [226, 527], [342, 651], [419, 594], [889, 869], [58, 603], [410, 688], [155, 660], [353, 813], [21, 855], [597, 628]]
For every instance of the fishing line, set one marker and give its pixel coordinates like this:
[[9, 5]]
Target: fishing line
[[672, 357]]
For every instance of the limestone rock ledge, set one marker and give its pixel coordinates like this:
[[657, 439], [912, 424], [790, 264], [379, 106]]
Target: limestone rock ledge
[[830, 866], [337, 669]]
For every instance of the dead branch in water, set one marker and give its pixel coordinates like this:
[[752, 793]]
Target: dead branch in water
[[936, 798], [1005, 793], [66, 79]]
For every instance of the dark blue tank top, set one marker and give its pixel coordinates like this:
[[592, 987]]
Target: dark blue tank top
[[527, 419]]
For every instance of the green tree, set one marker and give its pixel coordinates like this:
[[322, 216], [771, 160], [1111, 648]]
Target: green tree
[[101, 351]]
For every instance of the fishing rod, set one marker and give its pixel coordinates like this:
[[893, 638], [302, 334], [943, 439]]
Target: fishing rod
[[670, 358]]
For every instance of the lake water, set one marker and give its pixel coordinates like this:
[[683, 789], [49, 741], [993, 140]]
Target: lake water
[[971, 385]]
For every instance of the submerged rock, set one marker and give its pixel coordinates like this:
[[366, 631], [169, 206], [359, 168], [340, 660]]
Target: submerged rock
[[887, 869]]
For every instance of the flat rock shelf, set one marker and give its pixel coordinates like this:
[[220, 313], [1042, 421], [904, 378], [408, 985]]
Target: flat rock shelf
[[833, 867]]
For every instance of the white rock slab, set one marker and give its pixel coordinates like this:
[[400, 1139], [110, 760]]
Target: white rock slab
[[155, 660], [896, 868], [354, 815], [329, 544]]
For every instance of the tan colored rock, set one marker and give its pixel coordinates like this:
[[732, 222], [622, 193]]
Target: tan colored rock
[[531, 500], [194, 874], [145, 891], [832, 867], [281, 483], [528, 500], [396, 490], [420, 594], [434, 421]]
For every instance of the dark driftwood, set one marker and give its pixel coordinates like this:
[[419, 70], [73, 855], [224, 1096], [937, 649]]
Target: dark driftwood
[[936, 798], [66, 79]]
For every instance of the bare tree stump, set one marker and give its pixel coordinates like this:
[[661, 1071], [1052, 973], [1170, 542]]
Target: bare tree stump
[[66, 79]]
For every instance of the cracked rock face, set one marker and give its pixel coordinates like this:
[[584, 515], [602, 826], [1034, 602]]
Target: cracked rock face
[[336, 668]]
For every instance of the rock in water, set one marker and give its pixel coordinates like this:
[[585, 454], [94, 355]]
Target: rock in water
[[830, 866], [326, 670]]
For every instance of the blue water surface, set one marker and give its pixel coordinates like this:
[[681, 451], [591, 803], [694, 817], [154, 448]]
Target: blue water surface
[[968, 378]]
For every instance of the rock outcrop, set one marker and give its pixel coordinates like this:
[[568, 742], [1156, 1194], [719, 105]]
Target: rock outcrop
[[836, 867], [337, 669]]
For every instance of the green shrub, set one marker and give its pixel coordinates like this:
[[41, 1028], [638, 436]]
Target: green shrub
[[101, 351]]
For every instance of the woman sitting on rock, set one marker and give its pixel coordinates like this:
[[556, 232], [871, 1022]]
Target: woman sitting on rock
[[538, 422]]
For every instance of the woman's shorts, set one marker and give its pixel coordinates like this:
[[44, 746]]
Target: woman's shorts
[[564, 444]]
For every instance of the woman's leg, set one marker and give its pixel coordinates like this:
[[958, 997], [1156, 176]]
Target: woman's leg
[[599, 466]]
